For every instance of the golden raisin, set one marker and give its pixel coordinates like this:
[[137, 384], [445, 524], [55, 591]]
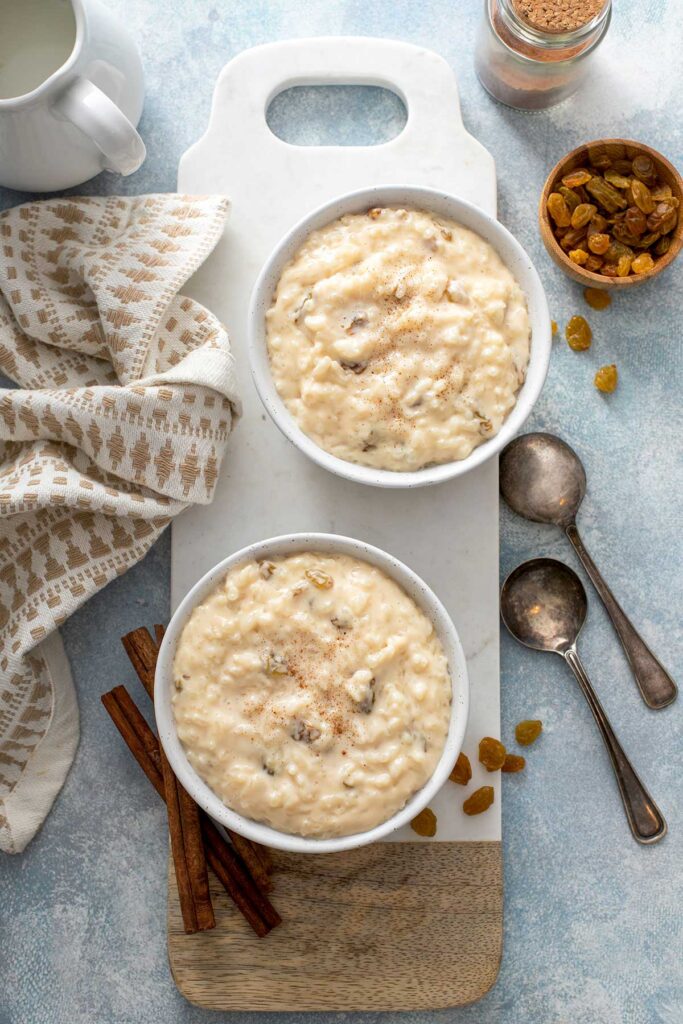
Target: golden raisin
[[598, 224], [593, 263], [664, 217], [617, 250], [577, 177], [578, 334], [617, 180], [609, 198], [582, 214], [600, 160], [624, 266], [479, 801], [606, 379], [462, 770], [513, 763], [622, 166], [634, 222], [491, 753], [578, 256], [598, 243], [641, 196], [644, 168], [319, 579], [528, 731], [571, 198], [558, 210], [424, 823], [572, 237], [643, 263], [553, 326], [661, 192], [597, 298]]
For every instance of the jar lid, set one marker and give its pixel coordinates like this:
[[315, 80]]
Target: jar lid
[[559, 16]]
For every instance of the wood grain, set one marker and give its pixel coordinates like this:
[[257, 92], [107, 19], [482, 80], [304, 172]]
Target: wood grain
[[394, 926]]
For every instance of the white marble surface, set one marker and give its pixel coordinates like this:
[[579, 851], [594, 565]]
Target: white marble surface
[[447, 533], [592, 922]]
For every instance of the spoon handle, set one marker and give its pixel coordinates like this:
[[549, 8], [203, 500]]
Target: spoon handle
[[656, 686], [646, 820]]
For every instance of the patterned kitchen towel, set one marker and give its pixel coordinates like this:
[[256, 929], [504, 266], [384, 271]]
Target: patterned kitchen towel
[[126, 397]]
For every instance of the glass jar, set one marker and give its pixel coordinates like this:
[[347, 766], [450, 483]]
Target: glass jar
[[528, 68]]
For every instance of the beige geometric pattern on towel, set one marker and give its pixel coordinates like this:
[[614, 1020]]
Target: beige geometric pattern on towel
[[126, 397]]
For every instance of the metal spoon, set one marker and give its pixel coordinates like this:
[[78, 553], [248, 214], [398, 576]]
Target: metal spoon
[[543, 479], [543, 604]]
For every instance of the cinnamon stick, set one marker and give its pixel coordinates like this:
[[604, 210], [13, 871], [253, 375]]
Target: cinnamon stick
[[143, 651], [183, 818], [143, 744], [229, 869], [187, 849]]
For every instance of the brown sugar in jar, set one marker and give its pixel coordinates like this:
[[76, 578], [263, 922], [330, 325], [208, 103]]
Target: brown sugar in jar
[[532, 54]]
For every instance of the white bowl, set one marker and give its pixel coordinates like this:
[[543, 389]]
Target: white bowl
[[445, 205], [423, 597]]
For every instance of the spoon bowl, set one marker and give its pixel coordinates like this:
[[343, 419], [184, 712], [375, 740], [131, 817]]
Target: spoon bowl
[[543, 604], [542, 479]]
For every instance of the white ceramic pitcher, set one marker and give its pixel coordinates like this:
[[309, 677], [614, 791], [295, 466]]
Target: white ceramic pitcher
[[80, 96]]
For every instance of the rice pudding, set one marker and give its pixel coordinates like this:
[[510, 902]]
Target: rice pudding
[[312, 694], [398, 339]]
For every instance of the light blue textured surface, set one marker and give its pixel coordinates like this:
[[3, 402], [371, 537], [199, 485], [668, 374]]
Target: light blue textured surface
[[592, 921]]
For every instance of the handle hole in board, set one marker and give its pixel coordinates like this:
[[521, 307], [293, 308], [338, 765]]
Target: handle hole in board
[[336, 115]]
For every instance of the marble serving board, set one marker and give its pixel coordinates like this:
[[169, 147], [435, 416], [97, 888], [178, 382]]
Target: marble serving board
[[446, 533]]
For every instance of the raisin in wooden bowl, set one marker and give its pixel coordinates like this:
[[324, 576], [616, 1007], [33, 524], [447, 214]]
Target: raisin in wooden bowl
[[640, 212]]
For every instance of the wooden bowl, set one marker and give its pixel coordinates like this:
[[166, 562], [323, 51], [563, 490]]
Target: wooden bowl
[[616, 149]]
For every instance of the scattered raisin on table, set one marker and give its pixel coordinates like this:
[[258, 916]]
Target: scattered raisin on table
[[491, 753], [513, 763], [479, 801], [528, 731], [553, 327], [424, 823], [462, 770], [578, 334], [597, 298], [606, 379]]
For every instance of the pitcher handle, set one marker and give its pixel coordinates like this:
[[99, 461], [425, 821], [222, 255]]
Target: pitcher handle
[[98, 117]]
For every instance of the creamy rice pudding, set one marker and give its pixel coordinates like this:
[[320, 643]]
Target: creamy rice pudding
[[312, 693], [398, 339]]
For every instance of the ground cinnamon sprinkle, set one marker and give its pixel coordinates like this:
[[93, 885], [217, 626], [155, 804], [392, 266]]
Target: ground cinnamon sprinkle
[[557, 15]]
